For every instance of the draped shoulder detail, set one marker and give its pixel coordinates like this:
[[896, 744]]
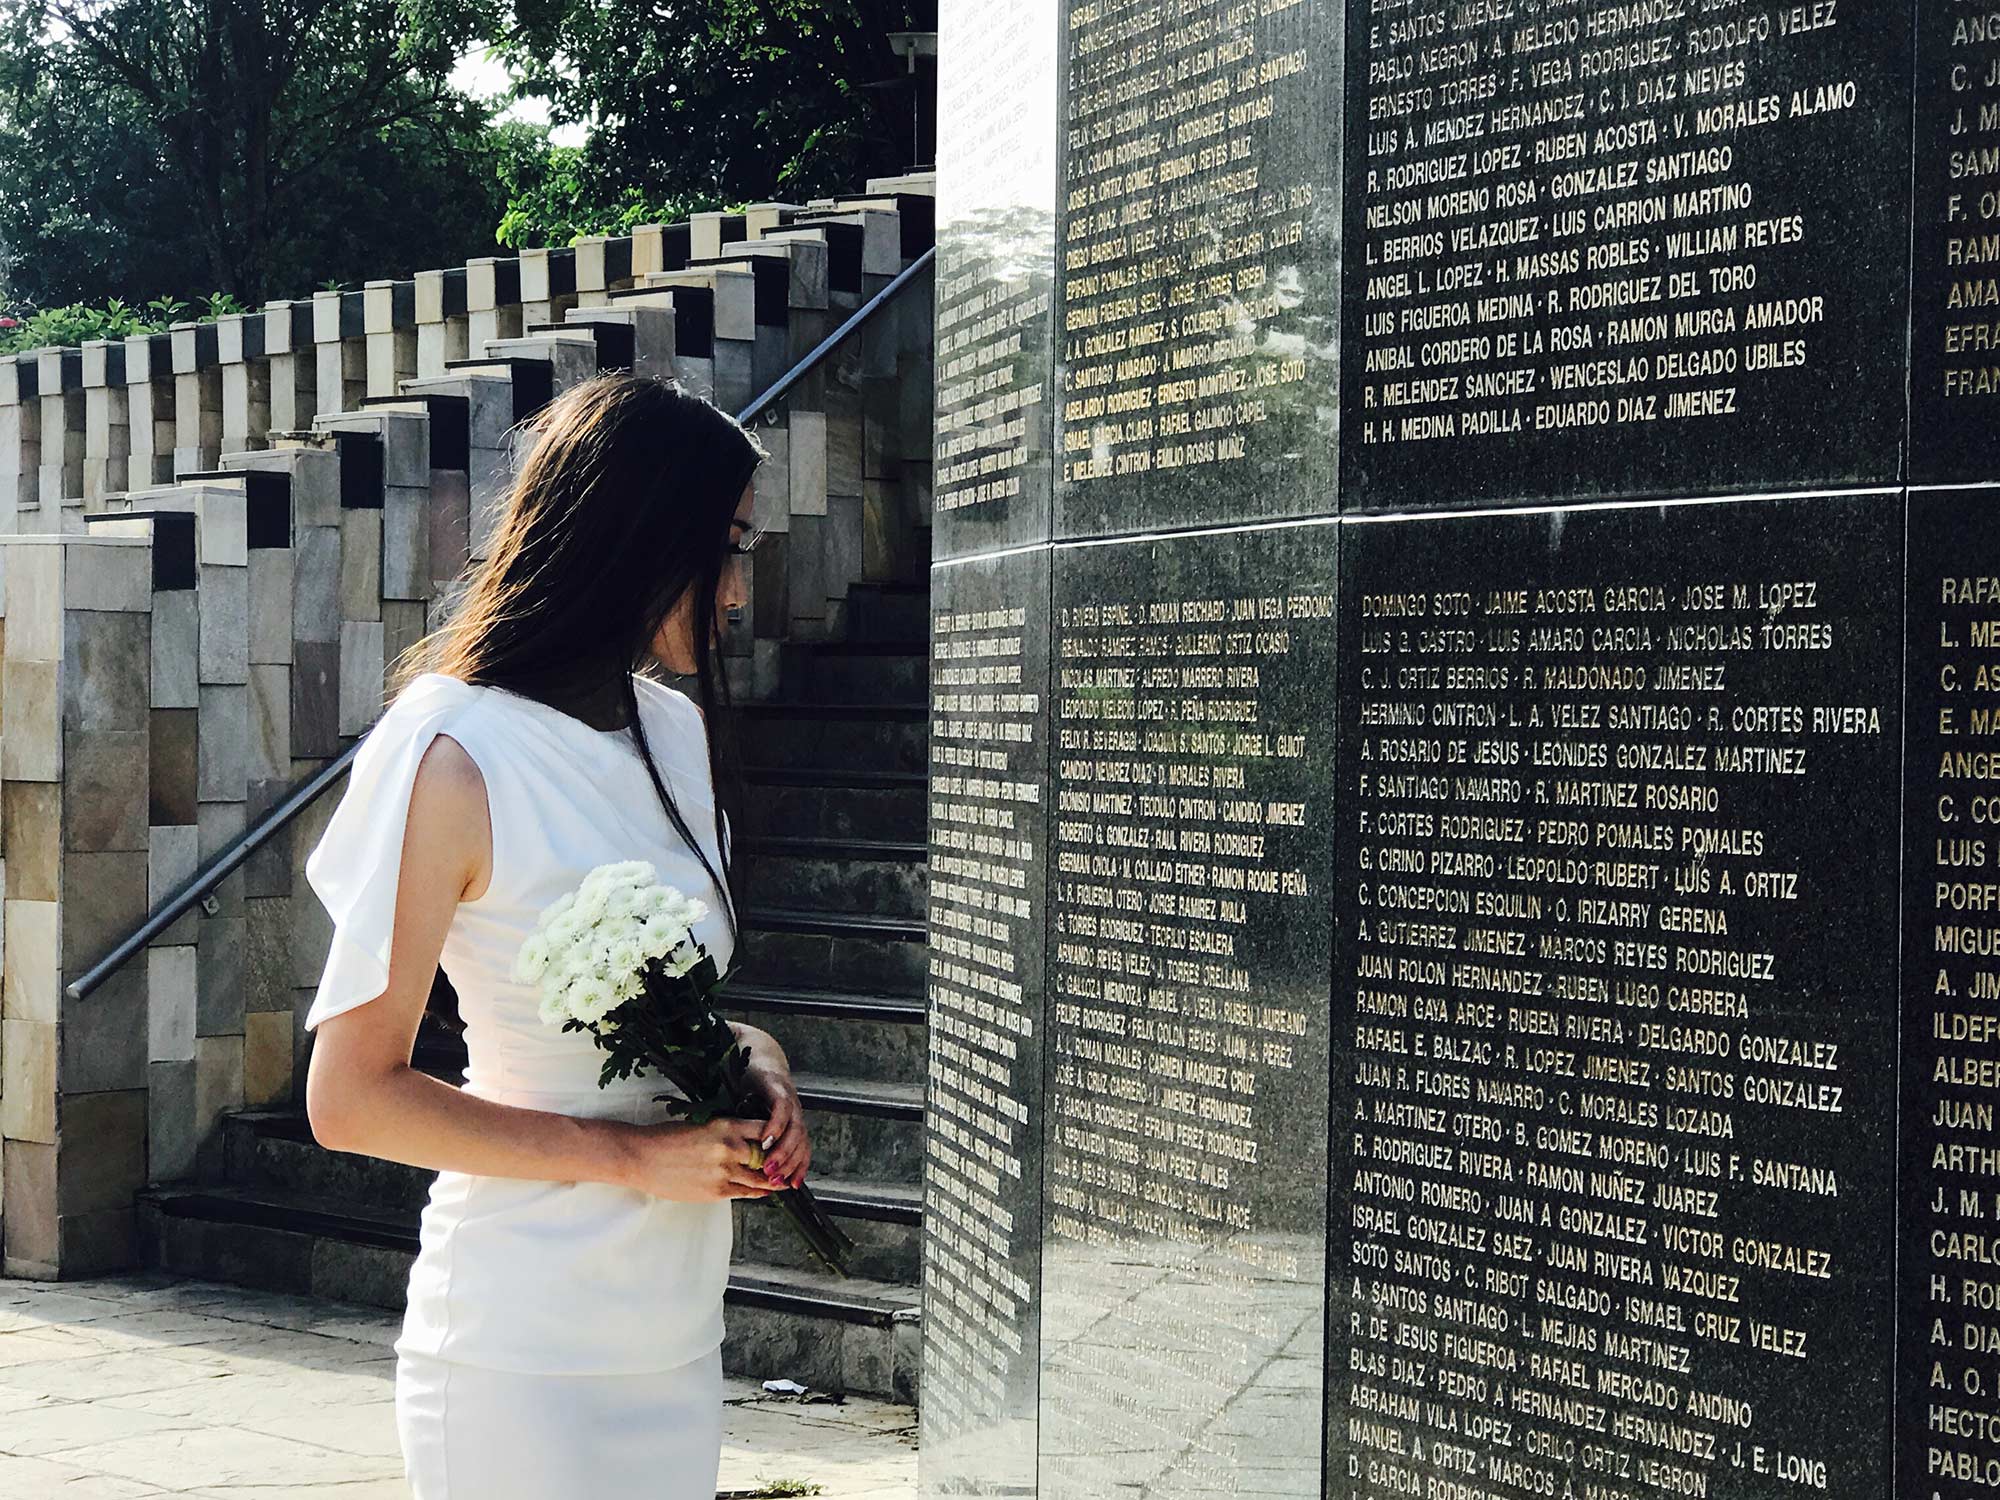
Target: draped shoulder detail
[[354, 867]]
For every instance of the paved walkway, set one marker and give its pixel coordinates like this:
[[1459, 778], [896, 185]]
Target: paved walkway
[[154, 1385]]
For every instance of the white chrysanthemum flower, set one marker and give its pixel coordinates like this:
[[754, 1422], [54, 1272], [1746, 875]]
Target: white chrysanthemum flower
[[631, 874], [659, 936], [684, 909], [592, 999], [592, 946], [532, 962]]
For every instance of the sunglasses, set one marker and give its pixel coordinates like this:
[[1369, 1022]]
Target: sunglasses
[[747, 543]]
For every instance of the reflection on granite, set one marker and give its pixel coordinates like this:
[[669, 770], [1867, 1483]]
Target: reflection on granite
[[1185, 1181], [1198, 296], [997, 135], [1183, 1369], [989, 742]]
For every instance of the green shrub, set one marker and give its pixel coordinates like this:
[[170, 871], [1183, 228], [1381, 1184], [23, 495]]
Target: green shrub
[[67, 327]]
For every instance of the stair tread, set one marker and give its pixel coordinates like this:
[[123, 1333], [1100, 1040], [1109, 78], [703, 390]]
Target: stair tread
[[848, 1298], [899, 1097], [836, 1192], [918, 649], [831, 776], [845, 924], [816, 846], [899, 712], [806, 997], [887, 1296]]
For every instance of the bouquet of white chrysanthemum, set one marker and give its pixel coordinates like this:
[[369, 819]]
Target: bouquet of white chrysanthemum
[[618, 958]]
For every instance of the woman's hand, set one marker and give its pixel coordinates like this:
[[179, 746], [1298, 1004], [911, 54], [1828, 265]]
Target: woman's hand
[[787, 1151], [696, 1163]]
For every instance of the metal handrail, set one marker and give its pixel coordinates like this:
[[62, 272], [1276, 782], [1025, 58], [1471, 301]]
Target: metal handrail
[[834, 340], [198, 886]]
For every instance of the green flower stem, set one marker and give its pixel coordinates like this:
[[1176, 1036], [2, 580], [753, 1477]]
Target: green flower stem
[[668, 1029]]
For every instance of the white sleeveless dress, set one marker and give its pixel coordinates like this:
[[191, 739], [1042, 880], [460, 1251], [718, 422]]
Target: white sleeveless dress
[[561, 1338]]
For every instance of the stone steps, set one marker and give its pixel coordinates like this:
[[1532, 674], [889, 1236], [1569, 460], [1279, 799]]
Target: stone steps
[[778, 1316], [836, 1031], [852, 672], [864, 1128], [809, 802], [880, 877], [884, 614], [834, 951], [859, 736]]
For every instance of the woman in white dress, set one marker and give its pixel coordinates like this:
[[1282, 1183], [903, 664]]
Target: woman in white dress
[[563, 1329]]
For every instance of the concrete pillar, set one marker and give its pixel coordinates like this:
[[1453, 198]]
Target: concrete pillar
[[246, 382], [75, 787], [492, 301], [294, 365], [107, 431], [20, 440], [603, 266], [548, 285], [59, 382], [340, 337], [197, 398], [441, 319], [149, 394], [389, 321]]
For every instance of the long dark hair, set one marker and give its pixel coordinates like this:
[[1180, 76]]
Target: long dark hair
[[620, 514]]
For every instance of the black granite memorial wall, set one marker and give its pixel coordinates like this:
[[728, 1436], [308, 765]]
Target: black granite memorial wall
[[1496, 501]]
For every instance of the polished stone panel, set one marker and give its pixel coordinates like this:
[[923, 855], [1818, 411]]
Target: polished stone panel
[[996, 233], [989, 830], [1666, 255], [1954, 346], [1951, 1169], [1185, 1186], [1615, 992], [1197, 293]]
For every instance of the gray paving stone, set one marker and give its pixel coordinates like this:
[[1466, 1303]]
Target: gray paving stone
[[220, 975], [107, 657], [170, 1125], [103, 1039], [148, 1384]]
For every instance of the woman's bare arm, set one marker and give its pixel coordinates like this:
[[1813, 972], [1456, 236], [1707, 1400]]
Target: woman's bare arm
[[363, 1096]]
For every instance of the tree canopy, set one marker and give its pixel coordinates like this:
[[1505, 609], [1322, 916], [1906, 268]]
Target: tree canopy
[[253, 147], [266, 148]]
